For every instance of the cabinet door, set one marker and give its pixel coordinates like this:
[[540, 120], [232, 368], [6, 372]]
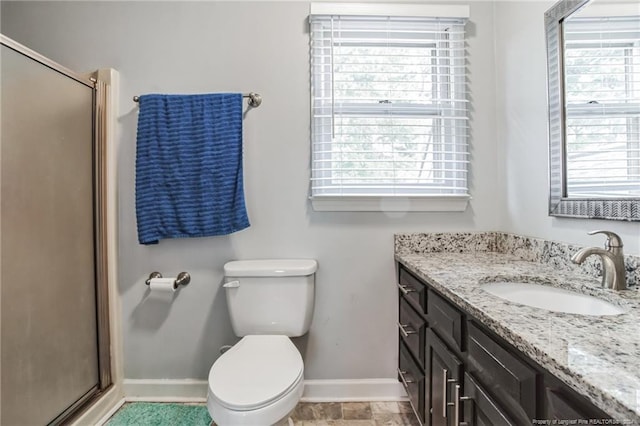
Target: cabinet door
[[444, 372], [480, 409]]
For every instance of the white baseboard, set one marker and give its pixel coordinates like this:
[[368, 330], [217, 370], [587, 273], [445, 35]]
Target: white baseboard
[[188, 390], [353, 390], [165, 390]]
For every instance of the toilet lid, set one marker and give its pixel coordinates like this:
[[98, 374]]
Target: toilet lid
[[255, 371]]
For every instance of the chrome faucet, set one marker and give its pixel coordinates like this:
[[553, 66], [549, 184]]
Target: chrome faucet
[[613, 273]]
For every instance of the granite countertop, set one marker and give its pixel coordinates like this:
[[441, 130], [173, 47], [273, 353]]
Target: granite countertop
[[598, 356]]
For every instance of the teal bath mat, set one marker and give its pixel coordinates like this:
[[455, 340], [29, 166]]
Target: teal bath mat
[[160, 414]]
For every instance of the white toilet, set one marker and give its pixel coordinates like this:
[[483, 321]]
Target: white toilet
[[259, 381]]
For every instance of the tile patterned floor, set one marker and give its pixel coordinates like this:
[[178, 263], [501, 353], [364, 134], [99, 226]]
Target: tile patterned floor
[[354, 413]]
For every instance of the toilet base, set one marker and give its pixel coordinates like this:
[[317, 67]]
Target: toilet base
[[287, 422], [269, 415]]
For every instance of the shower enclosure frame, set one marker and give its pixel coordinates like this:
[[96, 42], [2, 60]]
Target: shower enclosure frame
[[100, 230]]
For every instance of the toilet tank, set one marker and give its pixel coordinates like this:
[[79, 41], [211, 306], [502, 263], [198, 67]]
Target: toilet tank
[[270, 296]]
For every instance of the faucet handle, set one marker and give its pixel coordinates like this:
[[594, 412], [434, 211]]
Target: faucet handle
[[613, 239]]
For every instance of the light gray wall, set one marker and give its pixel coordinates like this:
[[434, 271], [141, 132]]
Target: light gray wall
[[186, 47], [522, 132]]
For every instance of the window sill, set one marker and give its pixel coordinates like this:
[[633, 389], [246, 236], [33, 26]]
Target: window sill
[[427, 203]]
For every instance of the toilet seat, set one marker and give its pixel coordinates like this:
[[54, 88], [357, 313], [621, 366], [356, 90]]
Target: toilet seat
[[255, 372]]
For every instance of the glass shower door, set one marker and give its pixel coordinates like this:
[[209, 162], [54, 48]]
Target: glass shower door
[[49, 341]]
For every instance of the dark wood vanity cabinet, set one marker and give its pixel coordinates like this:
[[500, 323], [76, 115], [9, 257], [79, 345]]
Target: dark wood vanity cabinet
[[456, 370]]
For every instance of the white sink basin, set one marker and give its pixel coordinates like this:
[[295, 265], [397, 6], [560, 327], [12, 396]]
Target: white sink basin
[[551, 298]]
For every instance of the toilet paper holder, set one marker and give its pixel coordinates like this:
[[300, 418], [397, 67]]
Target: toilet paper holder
[[183, 278]]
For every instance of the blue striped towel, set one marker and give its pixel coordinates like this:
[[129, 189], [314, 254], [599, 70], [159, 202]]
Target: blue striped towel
[[189, 166]]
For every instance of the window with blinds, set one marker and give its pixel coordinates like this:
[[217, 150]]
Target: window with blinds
[[602, 98], [389, 107]]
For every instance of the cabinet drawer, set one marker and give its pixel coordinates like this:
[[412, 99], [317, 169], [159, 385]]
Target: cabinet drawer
[[413, 290], [482, 409], [412, 379], [560, 408], [563, 403], [505, 376], [446, 320], [412, 330]]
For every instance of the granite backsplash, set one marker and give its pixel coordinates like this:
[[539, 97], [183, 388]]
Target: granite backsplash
[[552, 253]]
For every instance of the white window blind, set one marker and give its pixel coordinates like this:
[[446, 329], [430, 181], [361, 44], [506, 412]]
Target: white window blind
[[389, 107], [602, 96]]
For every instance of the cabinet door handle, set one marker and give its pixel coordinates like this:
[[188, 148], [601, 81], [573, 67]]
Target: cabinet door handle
[[405, 289], [404, 380], [444, 393], [456, 405], [406, 329], [445, 388]]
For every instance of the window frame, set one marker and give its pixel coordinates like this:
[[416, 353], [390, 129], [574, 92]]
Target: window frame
[[411, 199], [604, 110]]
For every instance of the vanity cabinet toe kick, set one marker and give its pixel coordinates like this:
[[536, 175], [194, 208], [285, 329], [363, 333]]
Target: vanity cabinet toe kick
[[456, 371]]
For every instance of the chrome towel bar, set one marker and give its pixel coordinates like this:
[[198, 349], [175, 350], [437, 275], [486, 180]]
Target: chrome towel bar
[[254, 99]]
